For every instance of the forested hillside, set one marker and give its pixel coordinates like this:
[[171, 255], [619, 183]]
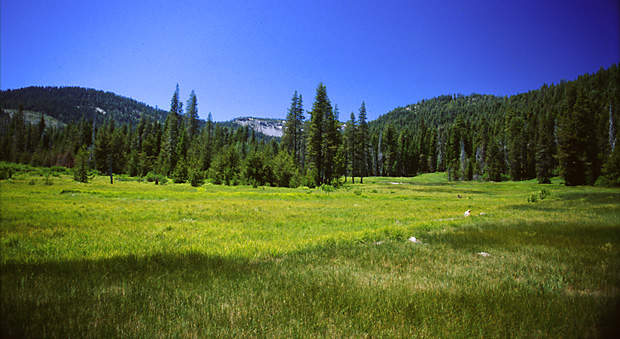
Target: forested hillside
[[69, 104], [568, 129]]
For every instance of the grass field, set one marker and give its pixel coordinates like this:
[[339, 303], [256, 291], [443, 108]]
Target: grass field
[[142, 260]]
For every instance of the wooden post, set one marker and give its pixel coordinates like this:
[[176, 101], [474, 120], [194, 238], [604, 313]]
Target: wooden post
[[110, 162]]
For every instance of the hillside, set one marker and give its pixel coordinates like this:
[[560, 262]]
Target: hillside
[[269, 127], [67, 104], [556, 129]]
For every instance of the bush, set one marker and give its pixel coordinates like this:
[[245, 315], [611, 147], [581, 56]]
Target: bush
[[157, 178], [180, 174], [327, 188], [542, 195], [309, 178], [47, 181], [80, 170], [196, 177]]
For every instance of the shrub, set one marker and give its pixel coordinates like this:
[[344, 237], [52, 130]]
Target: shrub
[[327, 188], [47, 181], [157, 178], [196, 177], [80, 170]]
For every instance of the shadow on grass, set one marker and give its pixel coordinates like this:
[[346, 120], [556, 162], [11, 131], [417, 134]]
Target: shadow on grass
[[122, 296], [192, 294]]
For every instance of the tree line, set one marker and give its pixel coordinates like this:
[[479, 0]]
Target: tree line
[[569, 129]]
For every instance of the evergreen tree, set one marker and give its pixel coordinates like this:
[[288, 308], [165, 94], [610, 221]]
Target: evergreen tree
[[292, 137], [284, 170], [191, 117], [168, 156], [351, 138], [362, 143], [453, 149], [516, 147], [80, 170], [572, 138], [544, 150], [331, 144], [316, 133], [390, 149], [493, 169]]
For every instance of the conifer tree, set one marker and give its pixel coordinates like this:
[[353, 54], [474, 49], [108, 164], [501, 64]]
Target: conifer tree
[[516, 146], [331, 144], [292, 137], [351, 138], [316, 134], [191, 116], [544, 150], [168, 156], [572, 138], [493, 168], [362, 141]]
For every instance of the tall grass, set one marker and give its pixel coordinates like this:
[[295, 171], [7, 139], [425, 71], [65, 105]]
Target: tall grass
[[143, 260]]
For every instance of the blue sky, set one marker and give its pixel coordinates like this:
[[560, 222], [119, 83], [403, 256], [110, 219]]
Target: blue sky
[[247, 58]]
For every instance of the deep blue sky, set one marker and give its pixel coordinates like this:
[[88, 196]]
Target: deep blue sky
[[246, 58]]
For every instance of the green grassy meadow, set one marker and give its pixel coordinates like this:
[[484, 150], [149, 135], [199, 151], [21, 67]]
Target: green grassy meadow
[[142, 260]]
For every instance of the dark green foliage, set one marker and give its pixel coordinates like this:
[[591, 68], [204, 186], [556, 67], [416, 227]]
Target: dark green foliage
[[493, 169], [156, 178], [257, 170], [572, 138], [191, 117], [226, 167], [80, 170], [568, 128], [181, 172], [320, 145], [516, 147], [611, 170], [350, 143], [361, 150], [285, 170], [292, 137], [74, 103], [544, 152]]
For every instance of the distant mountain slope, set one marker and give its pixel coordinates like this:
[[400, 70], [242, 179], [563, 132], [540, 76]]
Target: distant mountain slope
[[68, 104], [270, 127]]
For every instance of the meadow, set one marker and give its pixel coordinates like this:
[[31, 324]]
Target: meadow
[[155, 261]]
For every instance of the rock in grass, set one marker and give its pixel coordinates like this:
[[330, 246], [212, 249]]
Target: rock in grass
[[414, 240], [484, 254]]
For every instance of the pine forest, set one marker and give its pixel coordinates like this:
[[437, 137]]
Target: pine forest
[[569, 129]]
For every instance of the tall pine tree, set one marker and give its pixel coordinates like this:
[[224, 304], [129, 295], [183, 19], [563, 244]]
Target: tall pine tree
[[362, 141], [168, 156], [292, 137], [572, 137], [321, 108]]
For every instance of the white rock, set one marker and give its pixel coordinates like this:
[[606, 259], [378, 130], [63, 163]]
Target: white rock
[[414, 240], [484, 254]]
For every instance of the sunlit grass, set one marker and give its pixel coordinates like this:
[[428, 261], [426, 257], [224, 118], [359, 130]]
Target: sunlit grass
[[138, 259]]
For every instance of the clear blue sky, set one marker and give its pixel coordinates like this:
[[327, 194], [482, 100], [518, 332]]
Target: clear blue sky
[[246, 58]]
